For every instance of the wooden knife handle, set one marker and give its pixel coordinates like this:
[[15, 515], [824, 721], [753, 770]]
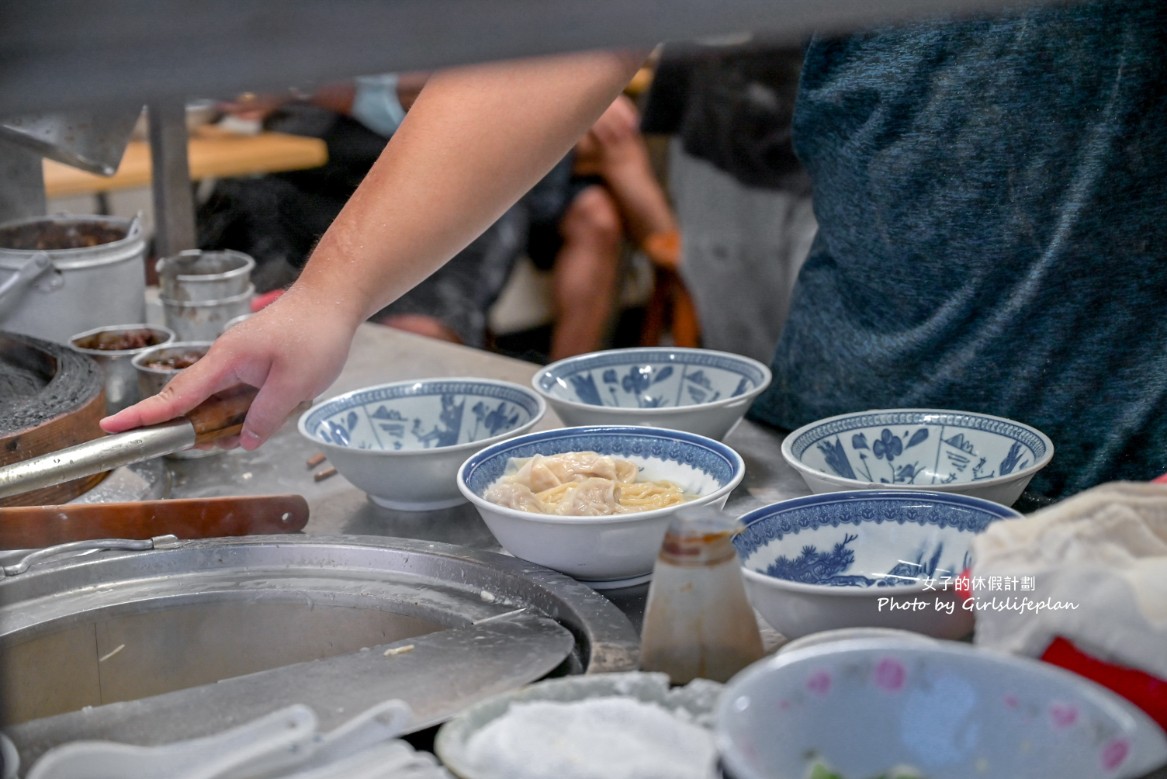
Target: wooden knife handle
[[34, 527], [221, 415]]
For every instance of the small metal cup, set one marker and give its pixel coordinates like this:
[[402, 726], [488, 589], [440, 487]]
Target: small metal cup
[[204, 320], [152, 378], [120, 376], [201, 276]]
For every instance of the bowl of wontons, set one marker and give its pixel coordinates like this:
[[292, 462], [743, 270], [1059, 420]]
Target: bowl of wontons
[[595, 502]]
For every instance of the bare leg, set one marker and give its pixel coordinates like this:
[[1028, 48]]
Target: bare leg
[[586, 272], [622, 160]]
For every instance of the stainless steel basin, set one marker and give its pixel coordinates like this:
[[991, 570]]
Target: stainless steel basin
[[155, 646]]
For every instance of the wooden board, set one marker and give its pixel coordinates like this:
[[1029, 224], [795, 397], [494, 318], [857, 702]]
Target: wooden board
[[212, 154]]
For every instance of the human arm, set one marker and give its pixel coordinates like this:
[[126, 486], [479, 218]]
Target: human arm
[[476, 139]]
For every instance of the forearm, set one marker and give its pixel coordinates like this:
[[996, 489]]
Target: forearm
[[473, 143]]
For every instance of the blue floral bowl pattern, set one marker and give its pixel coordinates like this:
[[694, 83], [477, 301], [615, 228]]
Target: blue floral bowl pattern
[[698, 390], [866, 538], [423, 414], [949, 451], [864, 706], [402, 442], [850, 559], [604, 551]]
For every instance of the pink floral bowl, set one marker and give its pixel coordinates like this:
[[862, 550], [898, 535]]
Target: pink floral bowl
[[869, 707]]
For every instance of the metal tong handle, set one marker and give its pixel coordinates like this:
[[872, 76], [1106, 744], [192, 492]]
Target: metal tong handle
[[30, 559], [218, 417]]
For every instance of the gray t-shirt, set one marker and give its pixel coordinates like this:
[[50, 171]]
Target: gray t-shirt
[[992, 206]]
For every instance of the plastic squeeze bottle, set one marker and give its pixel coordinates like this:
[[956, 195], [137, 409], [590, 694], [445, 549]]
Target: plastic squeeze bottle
[[697, 621]]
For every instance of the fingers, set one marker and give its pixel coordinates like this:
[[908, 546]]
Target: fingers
[[187, 389], [227, 442], [278, 398], [618, 123], [287, 390], [257, 353]]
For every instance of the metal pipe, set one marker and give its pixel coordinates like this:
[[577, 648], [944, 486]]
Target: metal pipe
[[101, 454]]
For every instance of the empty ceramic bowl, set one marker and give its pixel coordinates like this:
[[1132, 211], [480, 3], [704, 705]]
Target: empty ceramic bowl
[[402, 443], [945, 451], [866, 558], [866, 707], [697, 390], [604, 551]]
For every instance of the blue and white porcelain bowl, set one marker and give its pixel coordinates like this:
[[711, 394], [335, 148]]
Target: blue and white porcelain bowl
[[402, 442], [697, 390], [604, 551], [866, 558], [926, 449], [945, 709]]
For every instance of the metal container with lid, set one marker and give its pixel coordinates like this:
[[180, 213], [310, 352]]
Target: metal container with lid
[[64, 274]]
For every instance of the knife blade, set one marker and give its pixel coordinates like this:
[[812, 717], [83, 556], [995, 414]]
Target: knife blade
[[218, 417], [35, 527]]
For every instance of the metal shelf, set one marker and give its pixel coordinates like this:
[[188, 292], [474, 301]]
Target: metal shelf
[[61, 54]]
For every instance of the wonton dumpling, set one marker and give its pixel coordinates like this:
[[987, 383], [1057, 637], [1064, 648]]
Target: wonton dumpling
[[586, 465], [513, 495], [541, 473], [592, 497]]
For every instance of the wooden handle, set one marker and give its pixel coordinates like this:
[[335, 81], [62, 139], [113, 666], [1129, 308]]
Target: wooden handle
[[34, 527], [222, 414]]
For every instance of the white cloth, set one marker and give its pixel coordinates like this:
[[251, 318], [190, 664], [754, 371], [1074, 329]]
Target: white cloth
[[741, 250], [1104, 551]]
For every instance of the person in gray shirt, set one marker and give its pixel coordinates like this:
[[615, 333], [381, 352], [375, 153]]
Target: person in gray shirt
[[992, 205]]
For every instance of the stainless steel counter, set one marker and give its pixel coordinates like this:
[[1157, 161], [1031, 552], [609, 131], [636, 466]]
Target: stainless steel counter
[[380, 354]]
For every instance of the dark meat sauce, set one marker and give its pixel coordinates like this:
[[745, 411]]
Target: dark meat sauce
[[120, 340], [53, 236]]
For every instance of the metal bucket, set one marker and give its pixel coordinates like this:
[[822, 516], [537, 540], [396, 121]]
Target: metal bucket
[[64, 274]]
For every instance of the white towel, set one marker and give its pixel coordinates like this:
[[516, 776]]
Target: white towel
[[1097, 563]]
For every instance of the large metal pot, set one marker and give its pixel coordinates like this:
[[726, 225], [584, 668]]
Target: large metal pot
[[63, 274], [160, 645]]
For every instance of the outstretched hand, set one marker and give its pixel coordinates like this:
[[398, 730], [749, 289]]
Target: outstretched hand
[[289, 351]]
